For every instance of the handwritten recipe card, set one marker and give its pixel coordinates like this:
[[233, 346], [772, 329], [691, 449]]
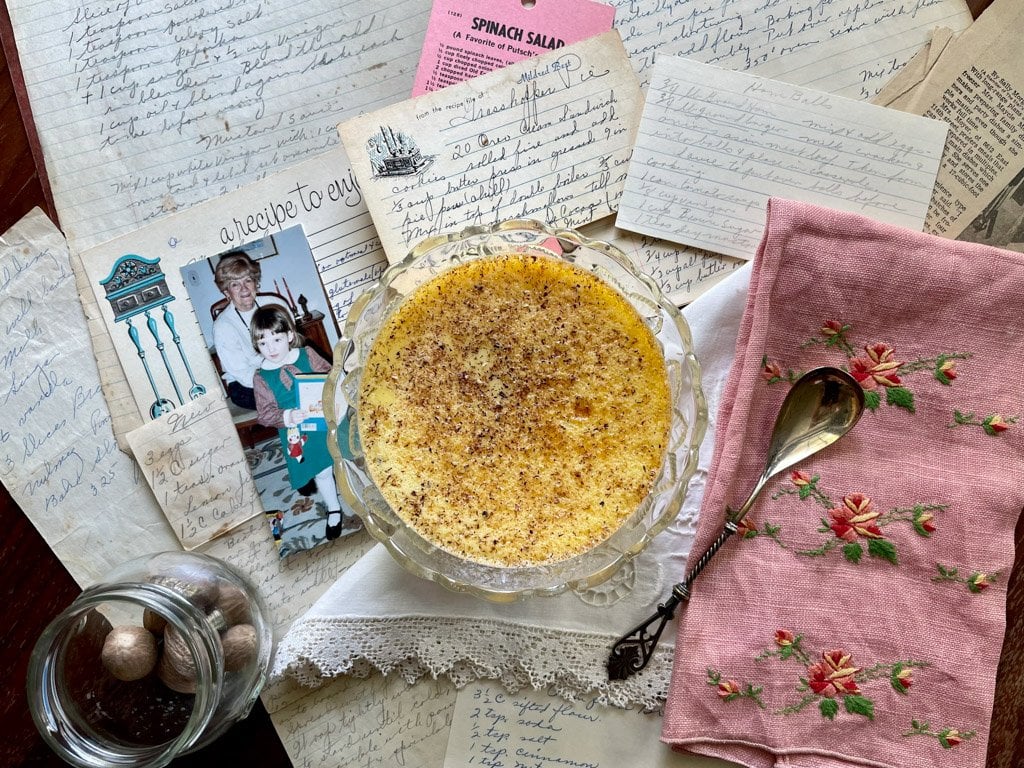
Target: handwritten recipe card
[[199, 477], [547, 138], [714, 145], [530, 729]]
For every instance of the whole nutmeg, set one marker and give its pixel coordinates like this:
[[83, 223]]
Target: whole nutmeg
[[239, 644], [199, 590], [154, 622], [129, 653], [177, 667], [233, 605]]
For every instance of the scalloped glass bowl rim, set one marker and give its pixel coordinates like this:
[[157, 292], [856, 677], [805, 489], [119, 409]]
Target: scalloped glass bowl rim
[[420, 556]]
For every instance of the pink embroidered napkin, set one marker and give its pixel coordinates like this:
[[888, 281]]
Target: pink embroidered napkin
[[857, 617]]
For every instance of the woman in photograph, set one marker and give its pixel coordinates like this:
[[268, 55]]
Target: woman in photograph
[[238, 278]]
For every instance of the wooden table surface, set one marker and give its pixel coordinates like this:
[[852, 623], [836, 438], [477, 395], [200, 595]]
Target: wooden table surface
[[36, 586]]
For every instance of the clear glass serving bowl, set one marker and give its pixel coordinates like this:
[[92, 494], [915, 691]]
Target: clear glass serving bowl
[[416, 553]]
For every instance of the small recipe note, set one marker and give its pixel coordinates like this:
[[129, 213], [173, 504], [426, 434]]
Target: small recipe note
[[714, 145], [530, 729], [547, 138], [200, 478]]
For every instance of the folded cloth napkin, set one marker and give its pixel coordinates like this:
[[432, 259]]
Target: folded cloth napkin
[[379, 616], [857, 618]]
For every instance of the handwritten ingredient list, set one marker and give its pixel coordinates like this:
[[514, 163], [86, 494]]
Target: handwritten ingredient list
[[248, 86], [530, 729], [201, 480], [58, 455], [547, 138], [714, 145]]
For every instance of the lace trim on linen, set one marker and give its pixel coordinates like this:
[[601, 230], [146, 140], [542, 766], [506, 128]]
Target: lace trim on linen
[[570, 665]]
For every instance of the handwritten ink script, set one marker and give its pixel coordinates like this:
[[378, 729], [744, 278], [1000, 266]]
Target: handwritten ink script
[[530, 729], [714, 145], [683, 273], [547, 138], [201, 480], [58, 456], [147, 107], [374, 721], [845, 47]]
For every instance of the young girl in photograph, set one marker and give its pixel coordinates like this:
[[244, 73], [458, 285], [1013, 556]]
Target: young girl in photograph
[[280, 345]]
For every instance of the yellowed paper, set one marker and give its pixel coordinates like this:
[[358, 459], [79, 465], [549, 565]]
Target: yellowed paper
[[977, 86], [845, 47], [149, 108], [714, 145], [491, 726], [58, 457], [376, 721], [192, 464], [902, 90], [684, 273], [547, 138]]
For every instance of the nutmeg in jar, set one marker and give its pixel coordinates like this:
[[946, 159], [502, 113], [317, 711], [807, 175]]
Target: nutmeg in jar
[[136, 670]]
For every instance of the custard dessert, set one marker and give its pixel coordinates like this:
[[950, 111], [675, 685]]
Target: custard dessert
[[514, 410]]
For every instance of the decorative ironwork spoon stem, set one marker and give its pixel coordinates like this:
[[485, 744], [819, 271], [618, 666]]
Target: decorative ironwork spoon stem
[[822, 406]]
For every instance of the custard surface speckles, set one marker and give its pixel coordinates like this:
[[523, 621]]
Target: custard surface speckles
[[514, 410]]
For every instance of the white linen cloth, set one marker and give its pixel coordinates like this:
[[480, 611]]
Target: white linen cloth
[[378, 616]]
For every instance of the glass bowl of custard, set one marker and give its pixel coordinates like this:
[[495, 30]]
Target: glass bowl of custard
[[514, 410]]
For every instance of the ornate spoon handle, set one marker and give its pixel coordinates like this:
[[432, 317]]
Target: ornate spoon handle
[[634, 649]]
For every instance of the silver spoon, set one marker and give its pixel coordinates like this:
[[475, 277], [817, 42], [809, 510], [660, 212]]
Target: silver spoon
[[822, 406]]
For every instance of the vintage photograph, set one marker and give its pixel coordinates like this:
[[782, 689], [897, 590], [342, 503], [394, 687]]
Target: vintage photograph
[[270, 333]]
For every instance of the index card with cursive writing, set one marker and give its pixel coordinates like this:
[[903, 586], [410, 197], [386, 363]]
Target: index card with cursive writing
[[491, 727], [198, 476], [547, 138], [714, 145]]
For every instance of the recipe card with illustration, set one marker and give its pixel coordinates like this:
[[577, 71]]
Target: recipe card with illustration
[[463, 40], [181, 300], [714, 145], [547, 138]]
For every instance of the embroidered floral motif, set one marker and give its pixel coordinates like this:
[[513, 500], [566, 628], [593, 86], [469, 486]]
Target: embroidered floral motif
[[993, 424], [901, 678], [729, 690], [772, 372], [976, 583], [947, 737], [854, 524], [832, 681], [877, 368], [855, 518]]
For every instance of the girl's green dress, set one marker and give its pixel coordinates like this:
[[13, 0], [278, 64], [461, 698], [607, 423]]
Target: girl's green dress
[[313, 455]]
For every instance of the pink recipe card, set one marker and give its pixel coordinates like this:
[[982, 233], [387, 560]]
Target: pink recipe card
[[466, 38]]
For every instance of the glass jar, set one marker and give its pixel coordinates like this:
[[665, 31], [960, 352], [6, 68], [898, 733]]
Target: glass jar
[[157, 660]]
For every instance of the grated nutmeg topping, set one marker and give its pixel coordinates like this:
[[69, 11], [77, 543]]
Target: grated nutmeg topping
[[514, 410]]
